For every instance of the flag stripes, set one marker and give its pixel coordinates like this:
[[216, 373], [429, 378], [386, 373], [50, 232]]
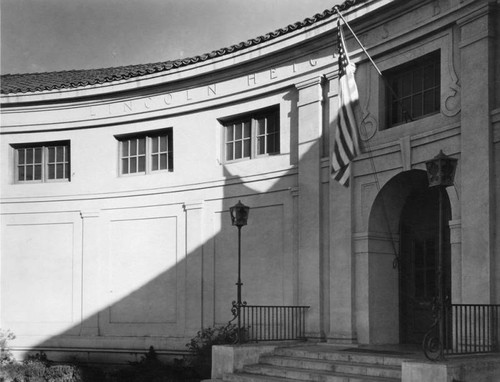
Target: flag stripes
[[346, 143]]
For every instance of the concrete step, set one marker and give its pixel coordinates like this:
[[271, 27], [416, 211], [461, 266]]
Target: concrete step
[[332, 354], [320, 363], [260, 373], [347, 367], [244, 377]]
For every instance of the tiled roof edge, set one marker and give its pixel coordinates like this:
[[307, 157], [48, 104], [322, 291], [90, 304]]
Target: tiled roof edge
[[46, 81]]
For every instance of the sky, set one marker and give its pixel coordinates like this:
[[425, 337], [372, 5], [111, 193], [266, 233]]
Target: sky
[[53, 35]]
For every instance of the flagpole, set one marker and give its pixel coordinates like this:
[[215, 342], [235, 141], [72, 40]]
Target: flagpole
[[405, 112], [395, 263], [359, 42]]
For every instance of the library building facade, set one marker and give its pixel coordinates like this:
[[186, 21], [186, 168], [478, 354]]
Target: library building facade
[[117, 185]]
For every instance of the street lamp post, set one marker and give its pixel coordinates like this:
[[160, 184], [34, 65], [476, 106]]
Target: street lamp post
[[440, 173], [239, 217]]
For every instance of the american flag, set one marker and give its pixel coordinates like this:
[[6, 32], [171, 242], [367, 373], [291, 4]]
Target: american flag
[[346, 144]]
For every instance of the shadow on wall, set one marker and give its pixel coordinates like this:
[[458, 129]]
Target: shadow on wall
[[159, 273]]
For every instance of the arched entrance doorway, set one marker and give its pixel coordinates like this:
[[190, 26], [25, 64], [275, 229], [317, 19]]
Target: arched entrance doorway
[[403, 223], [419, 235]]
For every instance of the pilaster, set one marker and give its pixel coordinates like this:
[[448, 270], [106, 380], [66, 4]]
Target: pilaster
[[477, 60], [194, 266], [342, 290], [91, 272], [456, 260], [309, 184]]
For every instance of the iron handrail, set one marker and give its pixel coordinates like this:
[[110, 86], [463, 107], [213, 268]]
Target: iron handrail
[[468, 329], [274, 322]]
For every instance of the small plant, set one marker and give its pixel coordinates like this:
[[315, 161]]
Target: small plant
[[5, 353], [39, 357], [200, 346]]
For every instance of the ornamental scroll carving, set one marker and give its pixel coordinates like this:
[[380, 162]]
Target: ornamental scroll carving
[[369, 124], [452, 95]]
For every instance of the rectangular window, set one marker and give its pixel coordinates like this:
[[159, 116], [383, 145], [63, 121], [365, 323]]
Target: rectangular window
[[414, 89], [42, 162], [147, 152], [252, 135]]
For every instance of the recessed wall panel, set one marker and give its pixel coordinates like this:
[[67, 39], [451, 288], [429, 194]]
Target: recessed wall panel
[[143, 274], [261, 260], [37, 273]]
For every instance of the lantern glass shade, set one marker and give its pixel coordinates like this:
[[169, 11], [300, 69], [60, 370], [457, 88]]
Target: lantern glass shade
[[239, 214], [441, 170]]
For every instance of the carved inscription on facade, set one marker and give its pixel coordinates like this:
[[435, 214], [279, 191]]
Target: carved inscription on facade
[[205, 93]]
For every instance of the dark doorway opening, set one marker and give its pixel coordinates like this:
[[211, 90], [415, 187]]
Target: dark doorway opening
[[419, 237]]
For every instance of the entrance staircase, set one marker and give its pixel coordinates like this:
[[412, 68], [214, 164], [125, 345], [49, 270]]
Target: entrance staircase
[[324, 363]]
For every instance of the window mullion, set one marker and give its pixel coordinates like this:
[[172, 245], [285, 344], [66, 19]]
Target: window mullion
[[147, 151], [253, 138], [45, 163], [266, 134]]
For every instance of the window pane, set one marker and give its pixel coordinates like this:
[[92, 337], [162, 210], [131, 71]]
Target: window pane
[[66, 172], [52, 171], [229, 133], [271, 144], [271, 125], [38, 155], [21, 173], [237, 150], [60, 153], [154, 164], [38, 172], [261, 145], [261, 126], [429, 102], [431, 283], [247, 129], [406, 84], [170, 143], [142, 164], [237, 131], [60, 171], [29, 155], [125, 145], [419, 258], [419, 284], [52, 154], [154, 144], [417, 80], [229, 151], [124, 166], [395, 112], [246, 148], [417, 106], [133, 165], [133, 147], [29, 173], [142, 146], [20, 156], [163, 142], [163, 161], [170, 160], [429, 77], [407, 109]]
